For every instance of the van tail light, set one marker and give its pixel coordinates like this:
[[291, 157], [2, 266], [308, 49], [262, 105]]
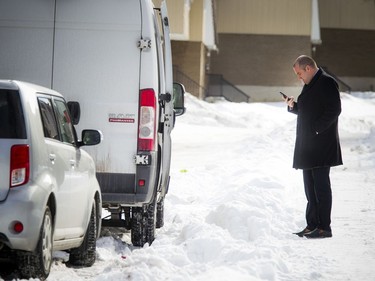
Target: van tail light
[[19, 165], [147, 125]]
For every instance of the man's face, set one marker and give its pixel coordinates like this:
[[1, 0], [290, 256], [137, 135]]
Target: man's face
[[304, 75]]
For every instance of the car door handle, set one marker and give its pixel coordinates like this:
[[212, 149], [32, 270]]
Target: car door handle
[[52, 157]]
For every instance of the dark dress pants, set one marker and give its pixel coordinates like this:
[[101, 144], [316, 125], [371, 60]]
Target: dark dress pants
[[319, 198]]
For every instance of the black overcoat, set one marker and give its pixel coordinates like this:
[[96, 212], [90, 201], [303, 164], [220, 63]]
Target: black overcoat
[[318, 108]]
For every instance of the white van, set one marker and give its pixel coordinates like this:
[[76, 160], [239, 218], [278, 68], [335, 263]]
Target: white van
[[114, 58]]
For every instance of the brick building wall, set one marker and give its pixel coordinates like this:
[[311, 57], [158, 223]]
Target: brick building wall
[[350, 54], [256, 63], [260, 65], [189, 58], [258, 59]]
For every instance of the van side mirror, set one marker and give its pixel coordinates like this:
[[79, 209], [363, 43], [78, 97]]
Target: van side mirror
[[178, 99], [90, 137], [75, 111]]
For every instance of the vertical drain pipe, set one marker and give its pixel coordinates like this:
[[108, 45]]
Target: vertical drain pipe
[[315, 26], [53, 44]]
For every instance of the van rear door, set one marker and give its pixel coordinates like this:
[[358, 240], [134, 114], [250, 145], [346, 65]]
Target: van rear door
[[168, 110], [95, 45]]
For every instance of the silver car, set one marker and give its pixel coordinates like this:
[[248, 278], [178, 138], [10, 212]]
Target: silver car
[[49, 196]]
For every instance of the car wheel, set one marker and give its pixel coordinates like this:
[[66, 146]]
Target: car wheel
[[37, 264], [143, 224], [85, 254]]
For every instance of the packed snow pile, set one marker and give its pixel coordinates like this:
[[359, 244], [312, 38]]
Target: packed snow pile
[[234, 202]]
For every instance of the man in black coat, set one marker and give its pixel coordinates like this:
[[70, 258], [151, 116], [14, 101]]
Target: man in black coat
[[317, 145]]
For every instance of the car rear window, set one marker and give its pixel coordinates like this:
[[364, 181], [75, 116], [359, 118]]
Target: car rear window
[[12, 122]]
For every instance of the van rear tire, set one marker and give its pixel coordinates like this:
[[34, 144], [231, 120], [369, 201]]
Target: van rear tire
[[160, 213], [143, 224]]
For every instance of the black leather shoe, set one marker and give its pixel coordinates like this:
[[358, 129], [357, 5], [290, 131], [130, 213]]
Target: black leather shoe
[[318, 233], [302, 232]]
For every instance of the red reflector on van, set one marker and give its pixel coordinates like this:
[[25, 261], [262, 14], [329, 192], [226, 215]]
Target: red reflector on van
[[19, 165], [141, 182]]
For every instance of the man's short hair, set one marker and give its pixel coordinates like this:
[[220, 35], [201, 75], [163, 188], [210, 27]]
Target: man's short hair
[[303, 61]]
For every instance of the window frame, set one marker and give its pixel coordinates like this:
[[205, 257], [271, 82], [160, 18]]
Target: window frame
[[64, 121], [56, 116]]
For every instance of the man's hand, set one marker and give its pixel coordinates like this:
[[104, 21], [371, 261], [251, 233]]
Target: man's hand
[[290, 102]]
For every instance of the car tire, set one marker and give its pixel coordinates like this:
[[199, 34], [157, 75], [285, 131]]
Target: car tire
[[85, 255], [37, 264]]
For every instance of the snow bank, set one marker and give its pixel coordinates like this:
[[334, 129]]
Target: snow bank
[[234, 201]]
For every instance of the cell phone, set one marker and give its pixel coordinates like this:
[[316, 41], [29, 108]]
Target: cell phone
[[284, 96]]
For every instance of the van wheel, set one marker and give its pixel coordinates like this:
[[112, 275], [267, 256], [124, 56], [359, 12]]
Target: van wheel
[[37, 264], [151, 221], [144, 224], [138, 229], [85, 254], [160, 214]]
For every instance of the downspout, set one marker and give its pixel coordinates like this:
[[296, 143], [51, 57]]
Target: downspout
[[315, 26], [53, 46]]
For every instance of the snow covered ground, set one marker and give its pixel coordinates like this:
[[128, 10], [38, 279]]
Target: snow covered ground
[[234, 201]]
